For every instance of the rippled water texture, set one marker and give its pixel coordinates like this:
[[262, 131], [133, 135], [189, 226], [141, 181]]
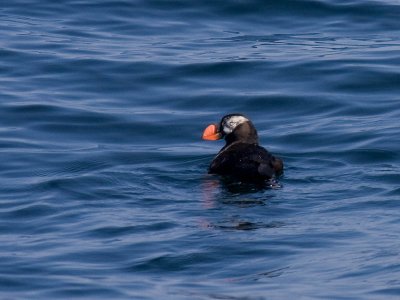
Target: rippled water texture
[[104, 189]]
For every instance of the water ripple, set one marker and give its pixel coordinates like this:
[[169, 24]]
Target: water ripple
[[104, 186]]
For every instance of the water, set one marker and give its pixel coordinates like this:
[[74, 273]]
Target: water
[[104, 191]]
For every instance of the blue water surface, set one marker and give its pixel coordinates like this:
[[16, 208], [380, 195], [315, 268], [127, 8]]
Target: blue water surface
[[104, 191]]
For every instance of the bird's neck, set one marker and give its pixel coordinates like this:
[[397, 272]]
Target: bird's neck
[[244, 133]]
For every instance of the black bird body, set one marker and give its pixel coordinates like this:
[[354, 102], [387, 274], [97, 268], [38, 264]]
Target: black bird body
[[242, 158], [249, 162]]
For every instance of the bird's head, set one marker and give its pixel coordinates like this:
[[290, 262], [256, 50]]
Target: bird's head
[[232, 127]]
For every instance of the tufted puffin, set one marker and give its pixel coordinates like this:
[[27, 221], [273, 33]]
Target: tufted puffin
[[241, 157]]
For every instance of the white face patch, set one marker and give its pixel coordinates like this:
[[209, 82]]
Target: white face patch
[[230, 123]]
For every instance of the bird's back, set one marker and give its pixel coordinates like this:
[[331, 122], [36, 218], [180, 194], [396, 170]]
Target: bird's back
[[246, 162]]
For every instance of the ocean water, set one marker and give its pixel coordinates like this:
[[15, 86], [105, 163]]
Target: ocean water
[[104, 191]]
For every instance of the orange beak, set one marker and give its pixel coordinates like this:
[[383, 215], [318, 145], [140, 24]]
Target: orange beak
[[211, 133]]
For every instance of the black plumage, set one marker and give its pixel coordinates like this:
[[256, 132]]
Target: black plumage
[[242, 157]]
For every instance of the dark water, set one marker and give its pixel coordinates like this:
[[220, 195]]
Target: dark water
[[104, 192]]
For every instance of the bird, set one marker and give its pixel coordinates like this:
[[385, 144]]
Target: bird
[[242, 157]]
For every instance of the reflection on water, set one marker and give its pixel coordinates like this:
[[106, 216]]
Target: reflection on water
[[228, 191], [240, 224], [220, 192]]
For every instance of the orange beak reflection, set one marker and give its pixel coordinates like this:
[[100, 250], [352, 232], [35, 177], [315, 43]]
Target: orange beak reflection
[[211, 133]]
